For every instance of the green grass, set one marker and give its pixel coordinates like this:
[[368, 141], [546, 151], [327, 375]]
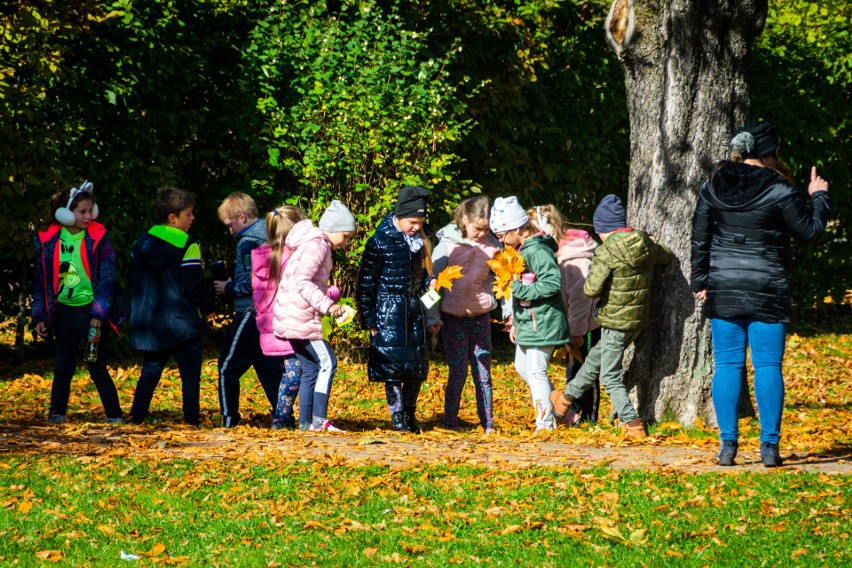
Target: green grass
[[233, 513]]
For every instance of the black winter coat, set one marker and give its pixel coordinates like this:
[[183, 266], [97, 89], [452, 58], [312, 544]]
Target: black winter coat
[[390, 281], [741, 240], [169, 294]]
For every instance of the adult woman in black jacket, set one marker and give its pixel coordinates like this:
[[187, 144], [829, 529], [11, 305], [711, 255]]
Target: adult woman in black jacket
[[741, 261]]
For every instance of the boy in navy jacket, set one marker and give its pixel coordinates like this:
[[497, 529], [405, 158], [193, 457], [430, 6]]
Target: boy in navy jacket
[[170, 304]]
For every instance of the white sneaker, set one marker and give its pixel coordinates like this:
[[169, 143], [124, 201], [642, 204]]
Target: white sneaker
[[326, 427]]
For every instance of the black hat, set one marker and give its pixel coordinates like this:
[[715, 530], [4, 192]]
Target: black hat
[[411, 202], [755, 140]]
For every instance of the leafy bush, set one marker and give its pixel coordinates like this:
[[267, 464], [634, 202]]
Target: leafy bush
[[353, 104]]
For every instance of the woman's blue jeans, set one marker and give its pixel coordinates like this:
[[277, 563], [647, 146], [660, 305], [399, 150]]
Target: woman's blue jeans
[[766, 341]]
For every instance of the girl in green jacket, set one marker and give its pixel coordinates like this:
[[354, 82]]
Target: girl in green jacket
[[539, 323]]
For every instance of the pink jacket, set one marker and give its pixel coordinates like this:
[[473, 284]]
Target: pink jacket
[[471, 294], [301, 300], [263, 294], [575, 257]]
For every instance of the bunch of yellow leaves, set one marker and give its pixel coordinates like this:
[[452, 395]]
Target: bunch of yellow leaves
[[447, 275], [507, 265]]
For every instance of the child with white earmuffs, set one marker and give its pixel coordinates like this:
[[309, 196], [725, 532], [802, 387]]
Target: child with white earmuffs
[[75, 292]]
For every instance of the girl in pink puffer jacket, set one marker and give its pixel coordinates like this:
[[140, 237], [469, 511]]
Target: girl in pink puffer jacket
[[301, 302], [268, 262]]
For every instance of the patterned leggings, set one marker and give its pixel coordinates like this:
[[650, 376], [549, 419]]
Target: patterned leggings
[[468, 340], [402, 396], [291, 378]]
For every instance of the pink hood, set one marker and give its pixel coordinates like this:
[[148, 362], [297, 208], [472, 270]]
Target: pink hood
[[575, 254], [263, 293], [301, 300]]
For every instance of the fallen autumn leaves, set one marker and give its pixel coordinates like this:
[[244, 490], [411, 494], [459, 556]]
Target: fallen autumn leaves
[[814, 436]]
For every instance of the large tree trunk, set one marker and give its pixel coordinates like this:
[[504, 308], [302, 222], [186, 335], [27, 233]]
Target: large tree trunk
[[685, 73]]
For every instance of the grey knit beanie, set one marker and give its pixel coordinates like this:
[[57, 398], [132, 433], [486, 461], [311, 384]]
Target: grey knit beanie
[[337, 219]]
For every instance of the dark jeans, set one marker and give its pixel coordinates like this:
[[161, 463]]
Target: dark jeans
[[188, 358], [71, 331], [240, 351], [590, 403]]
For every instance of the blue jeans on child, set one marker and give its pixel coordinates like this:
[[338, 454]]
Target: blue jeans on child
[[731, 336]]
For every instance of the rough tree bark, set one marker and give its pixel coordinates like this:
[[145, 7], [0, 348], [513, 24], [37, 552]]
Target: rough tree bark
[[685, 72]]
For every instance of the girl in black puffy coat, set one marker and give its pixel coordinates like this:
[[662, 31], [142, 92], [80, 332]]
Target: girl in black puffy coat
[[741, 262], [394, 273]]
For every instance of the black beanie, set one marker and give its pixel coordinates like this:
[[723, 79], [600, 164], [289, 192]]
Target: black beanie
[[755, 140], [411, 202], [610, 215]]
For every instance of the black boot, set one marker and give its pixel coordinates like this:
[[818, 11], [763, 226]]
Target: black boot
[[399, 423], [727, 452], [769, 455], [413, 426]]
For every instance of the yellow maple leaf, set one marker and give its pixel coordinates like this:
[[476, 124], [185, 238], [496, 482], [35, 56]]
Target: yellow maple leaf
[[507, 265], [447, 275]]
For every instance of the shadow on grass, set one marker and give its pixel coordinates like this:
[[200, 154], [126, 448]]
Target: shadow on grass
[[837, 454]]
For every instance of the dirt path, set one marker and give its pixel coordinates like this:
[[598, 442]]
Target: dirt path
[[94, 442]]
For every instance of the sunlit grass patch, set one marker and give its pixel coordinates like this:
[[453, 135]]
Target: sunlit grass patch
[[220, 513]]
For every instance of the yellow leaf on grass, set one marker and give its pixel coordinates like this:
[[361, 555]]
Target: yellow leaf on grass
[[511, 529], [370, 551], [446, 277], [25, 506], [51, 555], [613, 533], [638, 536], [316, 525], [157, 549], [413, 548]]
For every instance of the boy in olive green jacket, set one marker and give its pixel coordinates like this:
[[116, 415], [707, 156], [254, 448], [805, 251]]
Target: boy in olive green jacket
[[621, 275]]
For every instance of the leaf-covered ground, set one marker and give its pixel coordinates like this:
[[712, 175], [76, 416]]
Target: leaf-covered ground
[[84, 493], [818, 374]]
